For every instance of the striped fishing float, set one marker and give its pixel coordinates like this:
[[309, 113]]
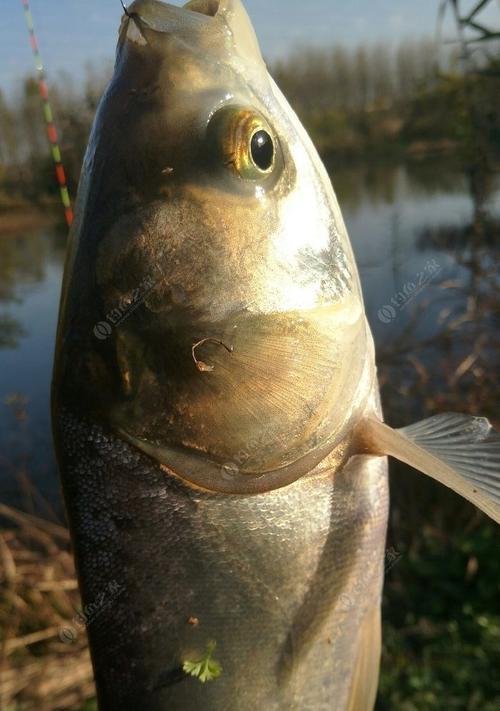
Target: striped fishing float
[[49, 116]]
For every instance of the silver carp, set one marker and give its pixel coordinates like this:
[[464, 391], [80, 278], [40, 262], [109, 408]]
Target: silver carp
[[215, 400]]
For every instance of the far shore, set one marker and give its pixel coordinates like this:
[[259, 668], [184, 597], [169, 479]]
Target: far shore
[[19, 216]]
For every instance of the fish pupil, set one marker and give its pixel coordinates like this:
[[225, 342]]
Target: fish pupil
[[262, 149]]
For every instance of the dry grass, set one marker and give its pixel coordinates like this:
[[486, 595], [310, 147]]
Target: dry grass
[[39, 599]]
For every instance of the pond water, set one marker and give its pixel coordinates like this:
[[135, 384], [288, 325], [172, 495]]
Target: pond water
[[390, 213]]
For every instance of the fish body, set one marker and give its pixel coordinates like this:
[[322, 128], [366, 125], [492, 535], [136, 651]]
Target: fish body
[[286, 583], [216, 407]]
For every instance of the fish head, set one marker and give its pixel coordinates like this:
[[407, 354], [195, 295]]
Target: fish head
[[211, 311]]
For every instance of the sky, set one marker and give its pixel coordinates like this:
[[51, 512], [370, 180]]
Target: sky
[[72, 33]]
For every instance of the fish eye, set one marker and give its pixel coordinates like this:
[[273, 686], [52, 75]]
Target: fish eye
[[244, 141]]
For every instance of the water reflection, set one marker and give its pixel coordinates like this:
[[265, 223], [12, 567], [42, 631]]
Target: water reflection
[[24, 258], [450, 237], [376, 184], [31, 261]]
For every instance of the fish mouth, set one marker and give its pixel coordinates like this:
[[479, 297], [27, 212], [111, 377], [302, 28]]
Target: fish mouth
[[144, 18], [161, 16], [208, 27]]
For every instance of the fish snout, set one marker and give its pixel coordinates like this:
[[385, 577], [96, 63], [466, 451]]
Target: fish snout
[[164, 17]]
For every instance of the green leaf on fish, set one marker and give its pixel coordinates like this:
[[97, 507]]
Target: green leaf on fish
[[205, 669]]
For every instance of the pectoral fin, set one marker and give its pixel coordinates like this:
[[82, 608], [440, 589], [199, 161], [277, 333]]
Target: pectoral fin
[[460, 451]]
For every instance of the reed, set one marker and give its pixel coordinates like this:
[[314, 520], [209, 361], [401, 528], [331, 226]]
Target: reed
[[44, 660]]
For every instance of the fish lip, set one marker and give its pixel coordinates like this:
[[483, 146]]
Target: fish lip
[[154, 16], [163, 17]]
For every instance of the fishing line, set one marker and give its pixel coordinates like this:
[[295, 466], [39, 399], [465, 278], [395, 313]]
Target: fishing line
[[49, 117], [125, 9], [131, 15]]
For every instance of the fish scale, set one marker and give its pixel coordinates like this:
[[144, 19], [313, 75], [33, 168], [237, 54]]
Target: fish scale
[[271, 600]]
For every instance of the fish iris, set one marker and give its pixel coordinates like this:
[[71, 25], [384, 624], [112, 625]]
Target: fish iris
[[245, 143]]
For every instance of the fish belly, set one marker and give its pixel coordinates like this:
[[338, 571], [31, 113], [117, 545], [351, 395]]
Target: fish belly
[[287, 583]]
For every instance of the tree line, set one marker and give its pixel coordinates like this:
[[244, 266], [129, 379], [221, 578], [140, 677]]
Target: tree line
[[365, 103], [358, 79]]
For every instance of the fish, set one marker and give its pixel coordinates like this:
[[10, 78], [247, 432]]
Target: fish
[[216, 410]]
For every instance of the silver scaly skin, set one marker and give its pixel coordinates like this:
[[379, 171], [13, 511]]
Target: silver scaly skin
[[287, 583]]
